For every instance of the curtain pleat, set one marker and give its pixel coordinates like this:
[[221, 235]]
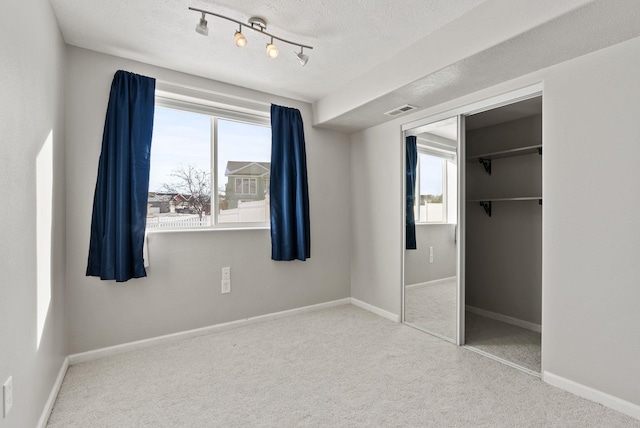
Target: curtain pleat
[[412, 163], [289, 194], [120, 200]]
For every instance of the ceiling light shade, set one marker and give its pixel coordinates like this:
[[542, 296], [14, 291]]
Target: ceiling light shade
[[202, 28], [272, 50], [302, 58], [241, 40]]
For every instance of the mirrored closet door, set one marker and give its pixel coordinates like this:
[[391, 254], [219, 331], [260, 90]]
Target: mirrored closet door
[[473, 228], [431, 251]]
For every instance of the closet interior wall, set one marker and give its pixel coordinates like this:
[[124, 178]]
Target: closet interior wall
[[504, 250]]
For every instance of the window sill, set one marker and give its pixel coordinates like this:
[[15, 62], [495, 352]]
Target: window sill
[[208, 229]]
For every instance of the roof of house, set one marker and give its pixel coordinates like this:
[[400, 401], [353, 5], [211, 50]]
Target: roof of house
[[156, 197], [159, 197], [247, 168]]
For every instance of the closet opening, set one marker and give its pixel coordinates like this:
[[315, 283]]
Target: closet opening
[[503, 234]]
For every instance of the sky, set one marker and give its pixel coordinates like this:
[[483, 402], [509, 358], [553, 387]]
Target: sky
[[430, 175], [183, 138]]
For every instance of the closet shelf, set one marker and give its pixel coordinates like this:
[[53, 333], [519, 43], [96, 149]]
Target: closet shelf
[[520, 151], [523, 198], [486, 158], [487, 202]]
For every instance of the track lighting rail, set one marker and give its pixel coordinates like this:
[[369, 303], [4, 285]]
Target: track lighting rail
[[260, 29]]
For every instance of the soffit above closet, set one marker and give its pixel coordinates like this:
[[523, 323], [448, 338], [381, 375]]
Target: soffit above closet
[[497, 41]]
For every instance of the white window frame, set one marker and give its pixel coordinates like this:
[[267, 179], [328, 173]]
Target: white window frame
[[249, 181], [215, 113], [446, 157]]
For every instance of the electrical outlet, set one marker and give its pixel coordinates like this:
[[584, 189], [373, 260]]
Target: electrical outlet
[[7, 394], [430, 254], [226, 273], [226, 286]]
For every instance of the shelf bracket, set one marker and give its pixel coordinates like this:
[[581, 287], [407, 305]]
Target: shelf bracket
[[486, 163], [540, 151], [539, 201], [486, 206]]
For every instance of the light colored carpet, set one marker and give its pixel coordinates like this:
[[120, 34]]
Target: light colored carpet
[[341, 367], [433, 308], [509, 342]]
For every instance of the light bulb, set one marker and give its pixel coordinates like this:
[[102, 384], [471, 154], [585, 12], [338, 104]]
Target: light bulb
[[241, 40], [272, 50]]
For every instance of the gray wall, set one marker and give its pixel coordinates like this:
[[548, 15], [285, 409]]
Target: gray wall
[[31, 254], [503, 259], [376, 228], [590, 273], [442, 237], [182, 290]]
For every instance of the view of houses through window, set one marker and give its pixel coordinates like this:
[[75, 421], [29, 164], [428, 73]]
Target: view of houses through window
[[188, 190]]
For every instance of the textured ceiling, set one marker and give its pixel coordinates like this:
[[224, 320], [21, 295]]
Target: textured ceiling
[[369, 56], [349, 37]]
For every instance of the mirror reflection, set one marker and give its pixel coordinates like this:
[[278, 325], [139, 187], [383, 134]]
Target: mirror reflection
[[430, 262]]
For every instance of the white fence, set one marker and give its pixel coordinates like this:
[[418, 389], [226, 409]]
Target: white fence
[[170, 222], [431, 212], [247, 212], [250, 212]]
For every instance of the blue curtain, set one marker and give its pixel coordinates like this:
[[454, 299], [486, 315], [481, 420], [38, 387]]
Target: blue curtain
[[120, 199], [290, 230], [412, 163]]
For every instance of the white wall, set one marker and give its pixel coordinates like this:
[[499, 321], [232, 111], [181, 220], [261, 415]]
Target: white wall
[[590, 318], [32, 294], [503, 253], [590, 274], [417, 268], [182, 290], [376, 204]]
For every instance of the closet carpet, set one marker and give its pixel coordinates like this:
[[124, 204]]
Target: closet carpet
[[433, 307], [340, 367], [509, 342]]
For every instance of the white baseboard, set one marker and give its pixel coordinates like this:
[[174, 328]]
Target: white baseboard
[[168, 338], [434, 282], [48, 407], [376, 310], [592, 394], [504, 318]]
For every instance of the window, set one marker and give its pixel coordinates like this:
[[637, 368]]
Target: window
[[246, 186], [209, 167], [436, 187]]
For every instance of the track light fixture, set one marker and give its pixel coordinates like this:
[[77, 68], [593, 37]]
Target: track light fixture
[[302, 57], [202, 28], [272, 50], [241, 40], [256, 24]]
